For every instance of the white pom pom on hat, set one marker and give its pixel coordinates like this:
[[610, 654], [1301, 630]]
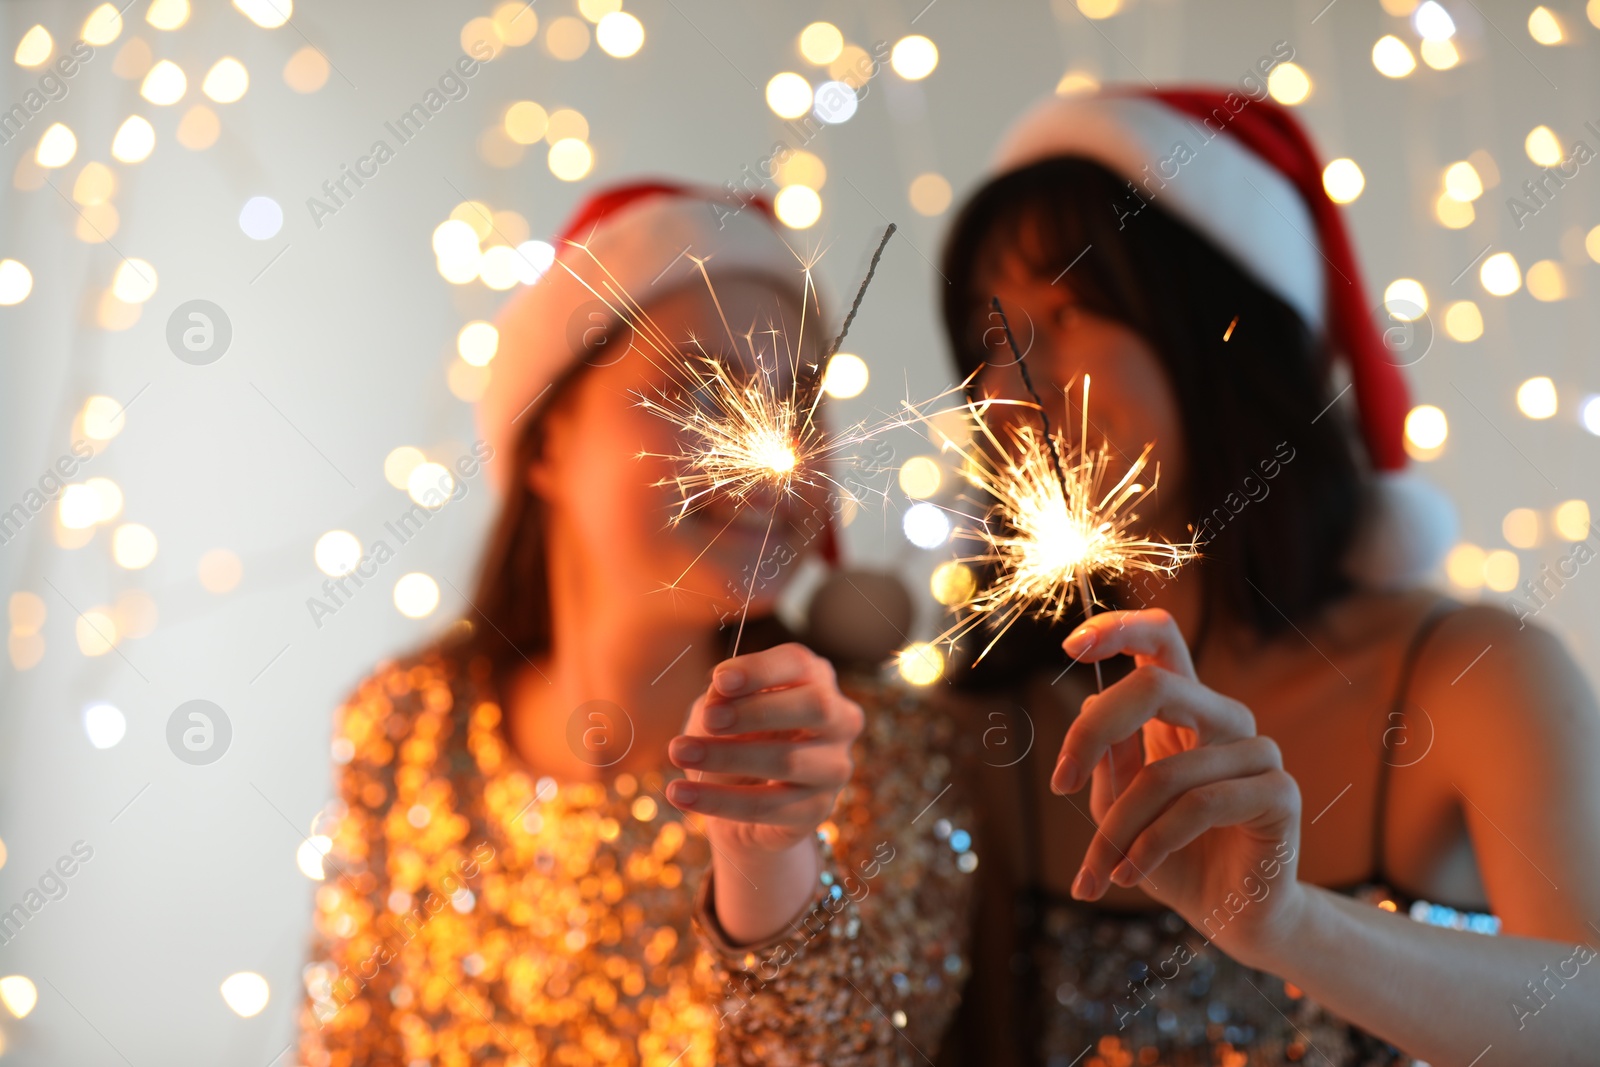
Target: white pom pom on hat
[[1407, 526], [1244, 174]]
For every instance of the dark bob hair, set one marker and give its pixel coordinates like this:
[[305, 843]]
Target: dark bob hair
[[1273, 486]]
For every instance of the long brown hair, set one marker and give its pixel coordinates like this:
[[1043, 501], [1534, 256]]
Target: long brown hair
[[511, 601]]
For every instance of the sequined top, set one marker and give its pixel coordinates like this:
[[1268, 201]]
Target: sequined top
[[1149, 989], [473, 914]]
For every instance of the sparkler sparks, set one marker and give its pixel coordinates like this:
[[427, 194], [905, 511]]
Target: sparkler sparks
[[1046, 536], [1051, 525], [746, 435], [742, 434]]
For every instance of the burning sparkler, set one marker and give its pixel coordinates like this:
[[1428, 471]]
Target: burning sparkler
[[1052, 525], [746, 434]]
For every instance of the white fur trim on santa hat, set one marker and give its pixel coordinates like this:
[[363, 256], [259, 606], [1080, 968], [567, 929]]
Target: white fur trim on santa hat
[[1407, 525], [1193, 170], [643, 250]]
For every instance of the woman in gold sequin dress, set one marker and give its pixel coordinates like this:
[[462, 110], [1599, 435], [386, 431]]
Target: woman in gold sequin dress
[[522, 872], [1300, 751]]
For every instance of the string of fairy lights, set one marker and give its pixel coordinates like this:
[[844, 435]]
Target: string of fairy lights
[[492, 246]]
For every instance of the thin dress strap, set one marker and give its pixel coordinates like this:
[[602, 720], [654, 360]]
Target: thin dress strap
[[1396, 719]]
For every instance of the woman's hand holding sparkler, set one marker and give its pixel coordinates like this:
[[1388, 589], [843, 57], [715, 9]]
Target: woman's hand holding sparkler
[[1193, 805], [767, 749]]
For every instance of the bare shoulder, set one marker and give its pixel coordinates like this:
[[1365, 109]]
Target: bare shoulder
[[1517, 736], [1499, 671], [1517, 726], [1466, 639], [1497, 678]]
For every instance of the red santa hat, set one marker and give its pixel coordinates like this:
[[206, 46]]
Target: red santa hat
[[1244, 174], [634, 239]]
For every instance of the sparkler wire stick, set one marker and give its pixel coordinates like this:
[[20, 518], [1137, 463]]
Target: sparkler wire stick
[[809, 402], [814, 388], [1027, 380], [861, 290], [750, 593], [1055, 460]]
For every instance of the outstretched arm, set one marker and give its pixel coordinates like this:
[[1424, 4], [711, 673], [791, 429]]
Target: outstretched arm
[[1518, 738], [1201, 802]]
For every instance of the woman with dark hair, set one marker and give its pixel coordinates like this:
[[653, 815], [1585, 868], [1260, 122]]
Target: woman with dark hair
[[1178, 248], [573, 832]]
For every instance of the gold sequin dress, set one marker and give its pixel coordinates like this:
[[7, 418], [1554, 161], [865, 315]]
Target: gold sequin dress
[[473, 914]]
